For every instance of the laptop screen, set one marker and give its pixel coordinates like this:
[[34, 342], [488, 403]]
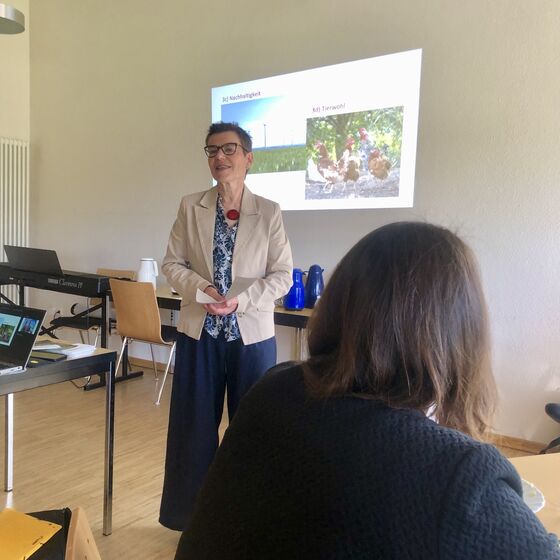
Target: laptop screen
[[19, 327], [33, 260]]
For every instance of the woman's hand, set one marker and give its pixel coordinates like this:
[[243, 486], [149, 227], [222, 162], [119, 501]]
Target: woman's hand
[[223, 307]]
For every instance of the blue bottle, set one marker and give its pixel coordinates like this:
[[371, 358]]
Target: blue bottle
[[314, 285], [295, 298]]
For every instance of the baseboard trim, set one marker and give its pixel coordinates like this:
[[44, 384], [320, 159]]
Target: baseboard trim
[[148, 364], [518, 444]]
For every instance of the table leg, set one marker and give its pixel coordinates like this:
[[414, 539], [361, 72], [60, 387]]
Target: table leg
[[299, 344], [104, 321], [9, 442], [109, 441]]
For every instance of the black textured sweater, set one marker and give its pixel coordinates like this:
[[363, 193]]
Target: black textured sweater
[[347, 477]]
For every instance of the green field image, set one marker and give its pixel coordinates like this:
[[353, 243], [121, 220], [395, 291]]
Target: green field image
[[273, 160]]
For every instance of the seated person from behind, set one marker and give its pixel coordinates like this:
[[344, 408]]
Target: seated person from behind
[[336, 457]]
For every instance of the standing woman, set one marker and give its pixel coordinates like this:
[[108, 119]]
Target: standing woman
[[219, 235]]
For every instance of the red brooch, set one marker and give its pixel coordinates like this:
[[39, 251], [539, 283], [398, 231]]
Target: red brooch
[[232, 215]]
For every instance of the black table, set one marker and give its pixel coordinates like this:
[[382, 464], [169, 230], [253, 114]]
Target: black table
[[100, 361]]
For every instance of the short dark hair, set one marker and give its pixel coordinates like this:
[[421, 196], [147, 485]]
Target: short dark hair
[[244, 137], [403, 320]]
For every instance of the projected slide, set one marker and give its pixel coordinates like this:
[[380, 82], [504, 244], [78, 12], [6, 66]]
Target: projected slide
[[341, 136]]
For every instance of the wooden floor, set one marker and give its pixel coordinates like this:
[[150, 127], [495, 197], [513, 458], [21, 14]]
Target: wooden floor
[[59, 439], [59, 452]]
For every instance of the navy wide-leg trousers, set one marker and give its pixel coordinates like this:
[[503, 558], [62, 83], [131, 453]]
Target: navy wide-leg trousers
[[203, 370]]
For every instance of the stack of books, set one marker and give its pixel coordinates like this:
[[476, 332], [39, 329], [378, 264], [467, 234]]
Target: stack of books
[[57, 350]]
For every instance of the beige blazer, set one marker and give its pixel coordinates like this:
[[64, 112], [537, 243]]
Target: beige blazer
[[261, 251]]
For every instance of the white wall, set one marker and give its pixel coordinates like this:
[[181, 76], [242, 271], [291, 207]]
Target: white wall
[[14, 79], [120, 102]]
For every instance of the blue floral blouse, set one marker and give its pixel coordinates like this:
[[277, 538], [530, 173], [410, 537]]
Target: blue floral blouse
[[224, 242]]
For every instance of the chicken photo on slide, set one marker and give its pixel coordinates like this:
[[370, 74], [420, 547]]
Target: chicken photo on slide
[[349, 164], [326, 167], [347, 168], [378, 164], [365, 146], [353, 170]]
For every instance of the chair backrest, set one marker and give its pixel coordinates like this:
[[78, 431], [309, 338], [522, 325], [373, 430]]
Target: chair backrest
[[137, 310], [112, 273], [117, 273], [80, 544]]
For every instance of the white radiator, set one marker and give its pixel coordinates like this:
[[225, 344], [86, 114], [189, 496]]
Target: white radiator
[[14, 199]]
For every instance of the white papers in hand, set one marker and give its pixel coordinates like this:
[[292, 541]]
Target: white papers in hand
[[202, 297], [238, 286]]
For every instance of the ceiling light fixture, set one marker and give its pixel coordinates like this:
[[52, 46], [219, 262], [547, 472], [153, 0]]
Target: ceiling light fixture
[[11, 20]]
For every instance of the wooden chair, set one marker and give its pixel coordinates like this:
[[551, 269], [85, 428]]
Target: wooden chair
[[90, 321], [80, 544], [138, 320]]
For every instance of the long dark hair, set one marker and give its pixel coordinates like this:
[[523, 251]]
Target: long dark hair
[[403, 320]]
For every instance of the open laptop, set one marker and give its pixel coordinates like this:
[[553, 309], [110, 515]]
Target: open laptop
[[33, 260], [19, 327]]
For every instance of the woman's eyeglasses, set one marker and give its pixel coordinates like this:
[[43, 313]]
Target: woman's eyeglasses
[[229, 149]]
